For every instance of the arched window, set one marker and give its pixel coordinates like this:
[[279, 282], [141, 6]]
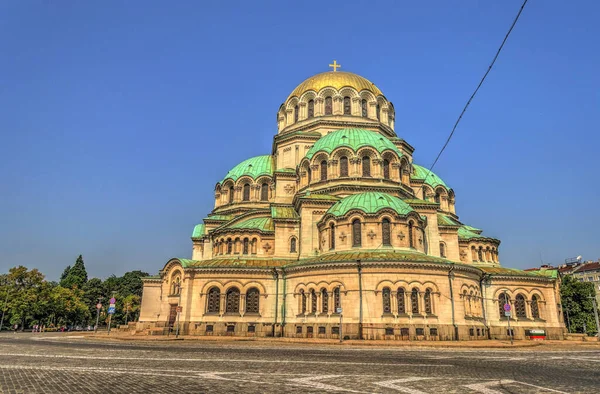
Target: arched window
[[264, 192], [414, 300], [466, 303], [331, 236], [176, 285], [309, 174], [324, 170], [387, 302], [401, 301], [386, 169], [293, 245], [535, 308], [328, 105], [343, 166], [296, 114], [411, 240], [336, 298], [427, 301], [311, 109], [232, 301], [442, 249], [437, 197], [366, 166], [502, 299], [363, 108], [324, 301], [356, 233], [302, 301], [313, 301], [385, 232], [221, 245], [213, 304], [246, 246], [520, 306], [378, 112], [252, 300], [254, 245], [347, 107], [246, 192], [231, 195], [229, 246], [480, 253]]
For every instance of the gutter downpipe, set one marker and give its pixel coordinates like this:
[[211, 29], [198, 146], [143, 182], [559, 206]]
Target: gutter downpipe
[[450, 278], [276, 277], [360, 297], [283, 305]]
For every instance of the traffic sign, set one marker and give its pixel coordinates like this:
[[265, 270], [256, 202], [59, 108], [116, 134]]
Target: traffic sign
[[179, 308], [507, 307], [111, 309], [113, 300], [338, 310], [98, 306], [507, 313]]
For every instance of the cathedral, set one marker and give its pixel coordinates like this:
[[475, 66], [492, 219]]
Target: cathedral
[[338, 234]]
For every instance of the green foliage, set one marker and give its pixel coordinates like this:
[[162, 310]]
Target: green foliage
[[77, 275], [33, 300], [577, 302]]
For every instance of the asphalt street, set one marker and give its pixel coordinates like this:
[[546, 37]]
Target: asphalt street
[[69, 363]]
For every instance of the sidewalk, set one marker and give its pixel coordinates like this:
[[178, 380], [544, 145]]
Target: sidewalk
[[482, 344]]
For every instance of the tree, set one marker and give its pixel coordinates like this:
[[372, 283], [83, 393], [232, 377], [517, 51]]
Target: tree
[[63, 276], [77, 275], [577, 302]]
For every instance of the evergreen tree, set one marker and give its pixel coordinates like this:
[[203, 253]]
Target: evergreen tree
[[63, 276], [77, 275]]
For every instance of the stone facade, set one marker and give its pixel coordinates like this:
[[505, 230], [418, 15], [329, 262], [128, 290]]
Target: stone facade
[[339, 218]]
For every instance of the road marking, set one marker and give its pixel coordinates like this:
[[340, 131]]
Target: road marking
[[483, 387], [312, 382], [226, 360], [392, 384]]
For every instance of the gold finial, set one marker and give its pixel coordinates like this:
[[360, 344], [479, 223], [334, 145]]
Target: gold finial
[[335, 66]]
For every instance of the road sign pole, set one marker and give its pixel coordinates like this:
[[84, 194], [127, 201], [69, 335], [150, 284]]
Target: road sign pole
[[509, 330], [109, 320], [341, 338]]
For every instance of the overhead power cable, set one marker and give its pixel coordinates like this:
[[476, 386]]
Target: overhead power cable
[[476, 90]]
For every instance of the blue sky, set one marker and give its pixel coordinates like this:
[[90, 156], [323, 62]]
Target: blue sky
[[118, 118]]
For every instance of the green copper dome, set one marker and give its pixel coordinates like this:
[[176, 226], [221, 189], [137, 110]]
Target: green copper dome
[[253, 167], [353, 139], [432, 180], [369, 202]]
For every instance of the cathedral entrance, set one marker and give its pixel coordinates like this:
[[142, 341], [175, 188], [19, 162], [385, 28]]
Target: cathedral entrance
[[172, 315]]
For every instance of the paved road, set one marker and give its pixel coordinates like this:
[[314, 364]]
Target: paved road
[[55, 363]]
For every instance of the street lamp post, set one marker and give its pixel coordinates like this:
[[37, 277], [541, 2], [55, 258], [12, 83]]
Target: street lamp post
[[178, 309], [98, 314]]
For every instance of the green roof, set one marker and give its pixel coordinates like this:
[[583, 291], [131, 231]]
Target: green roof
[[464, 233], [353, 139], [320, 196], [432, 180], [369, 202], [263, 224], [198, 231], [242, 262], [218, 217], [445, 220], [253, 167], [517, 272], [284, 212]]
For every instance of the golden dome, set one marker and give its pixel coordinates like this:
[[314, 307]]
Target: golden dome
[[337, 80]]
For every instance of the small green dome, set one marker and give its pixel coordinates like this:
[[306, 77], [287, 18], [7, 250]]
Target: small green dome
[[432, 180], [369, 202], [253, 167], [353, 139]]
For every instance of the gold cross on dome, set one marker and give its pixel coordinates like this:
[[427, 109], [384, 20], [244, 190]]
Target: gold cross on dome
[[335, 66]]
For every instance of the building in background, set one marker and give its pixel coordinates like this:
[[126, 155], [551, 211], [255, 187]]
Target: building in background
[[337, 232]]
